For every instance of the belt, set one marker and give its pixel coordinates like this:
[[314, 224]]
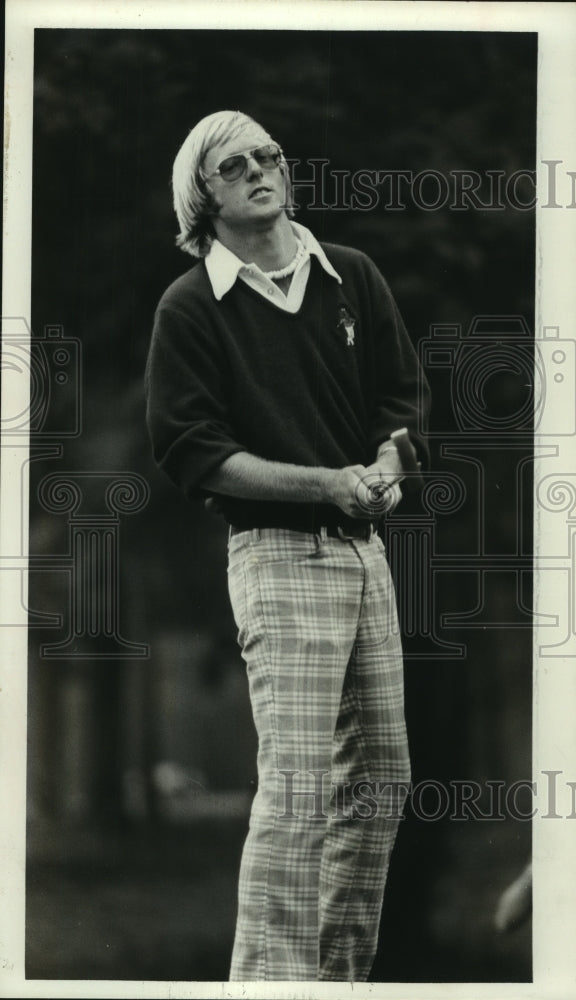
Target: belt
[[353, 530]]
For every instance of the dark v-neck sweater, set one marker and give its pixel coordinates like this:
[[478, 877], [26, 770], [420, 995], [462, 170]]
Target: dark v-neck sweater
[[321, 387]]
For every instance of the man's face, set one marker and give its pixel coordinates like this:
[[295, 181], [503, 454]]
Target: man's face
[[255, 198]]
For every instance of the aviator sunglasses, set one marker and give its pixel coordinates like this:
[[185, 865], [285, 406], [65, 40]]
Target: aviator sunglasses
[[232, 167]]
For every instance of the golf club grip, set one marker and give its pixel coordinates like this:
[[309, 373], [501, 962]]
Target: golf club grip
[[410, 466]]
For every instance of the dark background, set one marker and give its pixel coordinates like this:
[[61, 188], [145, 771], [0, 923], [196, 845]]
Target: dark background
[[141, 768]]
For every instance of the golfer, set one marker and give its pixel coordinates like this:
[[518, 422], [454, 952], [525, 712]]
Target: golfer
[[278, 370]]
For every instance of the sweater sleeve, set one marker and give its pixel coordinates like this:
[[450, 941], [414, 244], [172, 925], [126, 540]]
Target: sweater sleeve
[[401, 395], [187, 390]]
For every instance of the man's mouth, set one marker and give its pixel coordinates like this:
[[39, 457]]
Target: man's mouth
[[260, 190]]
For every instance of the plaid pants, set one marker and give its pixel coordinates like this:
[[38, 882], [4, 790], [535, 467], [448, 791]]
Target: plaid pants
[[319, 633]]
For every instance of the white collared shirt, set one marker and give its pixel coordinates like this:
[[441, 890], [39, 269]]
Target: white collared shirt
[[224, 267]]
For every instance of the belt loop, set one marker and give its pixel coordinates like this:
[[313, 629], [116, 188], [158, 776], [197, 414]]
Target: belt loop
[[320, 538], [257, 535]]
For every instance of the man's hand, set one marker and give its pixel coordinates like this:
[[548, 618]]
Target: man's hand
[[394, 456], [351, 490], [383, 485]]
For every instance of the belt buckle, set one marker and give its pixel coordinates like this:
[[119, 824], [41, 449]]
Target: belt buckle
[[366, 535]]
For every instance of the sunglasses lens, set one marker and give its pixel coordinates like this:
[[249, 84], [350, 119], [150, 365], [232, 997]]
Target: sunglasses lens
[[232, 167], [267, 157]]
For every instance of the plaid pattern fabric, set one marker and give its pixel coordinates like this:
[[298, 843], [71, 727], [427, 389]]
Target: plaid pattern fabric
[[319, 633]]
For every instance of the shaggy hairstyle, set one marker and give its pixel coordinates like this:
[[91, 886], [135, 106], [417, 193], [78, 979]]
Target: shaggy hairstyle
[[193, 202]]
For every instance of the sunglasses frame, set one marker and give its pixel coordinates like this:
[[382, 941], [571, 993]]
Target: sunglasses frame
[[246, 155]]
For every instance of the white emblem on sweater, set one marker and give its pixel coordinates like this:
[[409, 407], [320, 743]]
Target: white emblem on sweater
[[347, 323]]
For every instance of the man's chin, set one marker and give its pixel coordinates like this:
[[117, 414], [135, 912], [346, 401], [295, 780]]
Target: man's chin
[[262, 214]]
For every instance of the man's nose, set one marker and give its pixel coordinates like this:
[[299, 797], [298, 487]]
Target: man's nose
[[253, 168]]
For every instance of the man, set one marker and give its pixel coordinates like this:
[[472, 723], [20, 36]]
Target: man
[[278, 370]]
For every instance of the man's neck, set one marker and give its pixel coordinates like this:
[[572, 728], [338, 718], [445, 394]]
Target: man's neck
[[271, 247]]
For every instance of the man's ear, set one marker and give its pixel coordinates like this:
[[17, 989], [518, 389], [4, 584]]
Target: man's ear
[[214, 206]]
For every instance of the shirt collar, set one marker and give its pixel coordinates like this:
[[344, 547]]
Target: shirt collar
[[223, 266]]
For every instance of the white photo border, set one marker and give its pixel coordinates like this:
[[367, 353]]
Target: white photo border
[[555, 677]]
